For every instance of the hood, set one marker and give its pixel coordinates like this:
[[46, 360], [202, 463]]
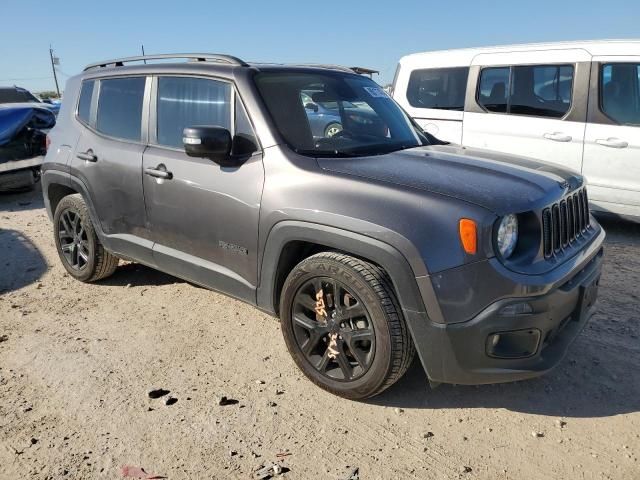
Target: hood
[[496, 181]]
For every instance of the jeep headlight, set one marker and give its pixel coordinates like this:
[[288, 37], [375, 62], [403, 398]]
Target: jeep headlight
[[507, 235]]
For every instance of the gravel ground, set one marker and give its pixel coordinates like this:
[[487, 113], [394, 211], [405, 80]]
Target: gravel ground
[[77, 362]]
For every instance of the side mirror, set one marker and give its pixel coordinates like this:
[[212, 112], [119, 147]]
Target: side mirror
[[208, 142], [311, 106]]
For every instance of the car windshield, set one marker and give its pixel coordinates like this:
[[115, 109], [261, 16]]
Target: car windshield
[[334, 114], [16, 95]]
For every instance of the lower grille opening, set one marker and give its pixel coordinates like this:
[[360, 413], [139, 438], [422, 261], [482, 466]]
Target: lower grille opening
[[513, 344]]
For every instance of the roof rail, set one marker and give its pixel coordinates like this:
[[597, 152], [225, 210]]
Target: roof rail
[[197, 57]]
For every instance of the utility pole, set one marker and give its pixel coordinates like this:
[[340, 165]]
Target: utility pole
[[54, 61]]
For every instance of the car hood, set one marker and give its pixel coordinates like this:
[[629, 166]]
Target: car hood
[[496, 181]]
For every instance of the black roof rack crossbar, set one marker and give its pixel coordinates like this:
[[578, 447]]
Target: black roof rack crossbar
[[326, 65], [198, 57]]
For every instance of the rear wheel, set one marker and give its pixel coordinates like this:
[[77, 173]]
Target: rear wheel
[[342, 325], [79, 249]]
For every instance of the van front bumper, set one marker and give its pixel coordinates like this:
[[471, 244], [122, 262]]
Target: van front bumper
[[516, 337]]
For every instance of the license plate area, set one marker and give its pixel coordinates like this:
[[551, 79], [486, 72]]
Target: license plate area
[[589, 294]]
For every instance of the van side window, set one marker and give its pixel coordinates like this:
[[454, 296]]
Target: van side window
[[84, 103], [494, 85], [541, 90], [439, 88], [536, 90], [620, 92], [185, 102], [120, 107]]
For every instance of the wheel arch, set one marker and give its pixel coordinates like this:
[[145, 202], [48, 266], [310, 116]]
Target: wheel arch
[[291, 241], [280, 253], [56, 185]]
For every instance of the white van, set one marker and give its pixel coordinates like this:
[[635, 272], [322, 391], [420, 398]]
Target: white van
[[576, 104]]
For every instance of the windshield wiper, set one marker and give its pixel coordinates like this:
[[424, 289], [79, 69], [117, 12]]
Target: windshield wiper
[[329, 153]]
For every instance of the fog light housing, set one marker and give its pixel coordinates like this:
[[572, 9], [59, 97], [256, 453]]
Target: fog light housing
[[521, 308], [513, 344]]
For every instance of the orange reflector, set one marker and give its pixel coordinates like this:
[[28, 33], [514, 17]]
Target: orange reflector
[[468, 235]]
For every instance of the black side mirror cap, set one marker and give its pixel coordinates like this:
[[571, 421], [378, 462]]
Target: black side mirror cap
[[206, 141], [311, 106]]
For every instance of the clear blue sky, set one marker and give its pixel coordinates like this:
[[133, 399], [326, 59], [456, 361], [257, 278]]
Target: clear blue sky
[[349, 32]]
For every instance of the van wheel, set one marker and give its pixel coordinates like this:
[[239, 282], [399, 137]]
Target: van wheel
[[78, 246], [342, 325]]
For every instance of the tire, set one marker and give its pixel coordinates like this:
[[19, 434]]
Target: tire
[[78, 240], [331, 129], [372, 364]]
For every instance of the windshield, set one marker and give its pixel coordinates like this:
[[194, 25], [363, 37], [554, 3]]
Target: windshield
[[16, 95], [336, 114]]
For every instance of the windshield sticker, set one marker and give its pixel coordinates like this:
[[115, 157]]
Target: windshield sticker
[[376, 92]]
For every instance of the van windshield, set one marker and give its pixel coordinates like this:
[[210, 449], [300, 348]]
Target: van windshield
[[334, 114]]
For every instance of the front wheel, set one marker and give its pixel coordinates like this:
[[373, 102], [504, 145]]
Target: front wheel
[[342, 325], [332, 129]]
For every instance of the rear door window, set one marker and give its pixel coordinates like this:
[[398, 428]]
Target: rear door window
[[620, 92], [439, 88], [494, 85], [184, 102], [541, 90], [120, 107], [536, 90]]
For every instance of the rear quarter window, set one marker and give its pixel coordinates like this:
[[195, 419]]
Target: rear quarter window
[[84, 103], [438, 88]]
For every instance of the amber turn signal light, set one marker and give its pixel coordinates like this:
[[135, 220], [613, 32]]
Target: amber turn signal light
[[468, 235]]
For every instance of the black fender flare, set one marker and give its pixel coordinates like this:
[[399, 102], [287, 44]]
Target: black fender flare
[[65, 179], [371, 249]]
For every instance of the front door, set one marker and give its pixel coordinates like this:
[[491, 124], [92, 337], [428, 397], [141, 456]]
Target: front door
[[203, 217], [612, 137]]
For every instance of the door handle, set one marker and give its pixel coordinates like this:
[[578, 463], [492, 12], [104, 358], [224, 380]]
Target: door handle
[[159, 172], [89, 156], [612, 142], [557, 137]]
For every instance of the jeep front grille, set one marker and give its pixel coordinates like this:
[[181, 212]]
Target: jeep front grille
[[565, 221]]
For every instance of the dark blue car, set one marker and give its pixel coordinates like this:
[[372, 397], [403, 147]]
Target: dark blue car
[[325, 118], [17, 95]]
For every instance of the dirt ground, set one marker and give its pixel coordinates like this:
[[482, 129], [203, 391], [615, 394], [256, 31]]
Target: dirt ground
[[77, 362]]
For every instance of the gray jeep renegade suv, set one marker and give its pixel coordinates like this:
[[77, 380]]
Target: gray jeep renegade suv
[[370, 242]]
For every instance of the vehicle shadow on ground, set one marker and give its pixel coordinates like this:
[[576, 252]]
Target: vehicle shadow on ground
[[567, 391], [138, 275], [21, 201], [21, 263], [620, 230]]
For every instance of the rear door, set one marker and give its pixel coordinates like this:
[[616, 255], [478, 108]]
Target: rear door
[[204, 217], [612, 138], [108, 159], [531, 104]]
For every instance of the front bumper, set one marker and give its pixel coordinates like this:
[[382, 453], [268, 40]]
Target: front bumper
[[467, 352]]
